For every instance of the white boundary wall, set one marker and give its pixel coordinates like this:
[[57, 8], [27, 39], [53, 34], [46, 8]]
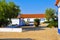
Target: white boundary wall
[[14, 21], [10, 29]]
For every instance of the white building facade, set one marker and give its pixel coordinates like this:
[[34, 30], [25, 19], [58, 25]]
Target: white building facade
[[29, 18], [58, 5]]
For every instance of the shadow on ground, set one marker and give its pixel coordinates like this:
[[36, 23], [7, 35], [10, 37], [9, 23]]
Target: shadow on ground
[[34, 28], [17, 39]]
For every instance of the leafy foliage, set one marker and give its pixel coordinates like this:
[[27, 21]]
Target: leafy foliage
[[4, 22], [51, 17], [36, 22], [50, 14], [8, 10], [53, 24]]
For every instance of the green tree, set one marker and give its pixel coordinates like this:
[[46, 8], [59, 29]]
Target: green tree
[[50, 14], [8, 10], [51, 17]]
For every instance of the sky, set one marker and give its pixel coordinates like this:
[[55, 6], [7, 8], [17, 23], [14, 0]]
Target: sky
[[34, 6]]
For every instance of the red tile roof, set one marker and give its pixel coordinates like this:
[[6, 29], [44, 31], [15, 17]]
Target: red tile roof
[[31, 16], [57, 1]]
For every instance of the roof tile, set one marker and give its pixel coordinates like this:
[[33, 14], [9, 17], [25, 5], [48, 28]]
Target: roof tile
[[31, 16]]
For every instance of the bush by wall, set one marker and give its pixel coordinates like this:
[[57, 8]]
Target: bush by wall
[[4, 22], [36, 22], [53, 24]]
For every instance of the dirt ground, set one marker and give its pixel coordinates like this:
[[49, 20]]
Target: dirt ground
[[58, 36], [33, 34]]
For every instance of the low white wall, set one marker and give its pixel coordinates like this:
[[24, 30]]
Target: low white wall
[[10, 29]]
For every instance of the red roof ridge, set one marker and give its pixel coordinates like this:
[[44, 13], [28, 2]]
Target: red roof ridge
[[41, 13], [31, 16]]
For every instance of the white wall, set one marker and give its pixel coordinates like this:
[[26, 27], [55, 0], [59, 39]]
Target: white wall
[[25, 19], [32, 19], [59, 15], [15, 21], [59, 18], [58, 4]]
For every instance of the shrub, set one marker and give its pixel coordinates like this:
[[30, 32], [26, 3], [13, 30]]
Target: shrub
[[47, 22], [4, 22], [53, 23], [36, 22]]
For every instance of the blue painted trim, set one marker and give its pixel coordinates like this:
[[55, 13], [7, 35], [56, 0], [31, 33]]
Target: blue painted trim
[[59, 31]]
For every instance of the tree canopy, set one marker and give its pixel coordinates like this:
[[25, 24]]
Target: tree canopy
[[51, 17], [50, 13], [8, 9]]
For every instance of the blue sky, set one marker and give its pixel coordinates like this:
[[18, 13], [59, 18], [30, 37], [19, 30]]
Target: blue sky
[[34, 6]]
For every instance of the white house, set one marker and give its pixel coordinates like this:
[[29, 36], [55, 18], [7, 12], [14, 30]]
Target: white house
[[58, 5], [30, 17]]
